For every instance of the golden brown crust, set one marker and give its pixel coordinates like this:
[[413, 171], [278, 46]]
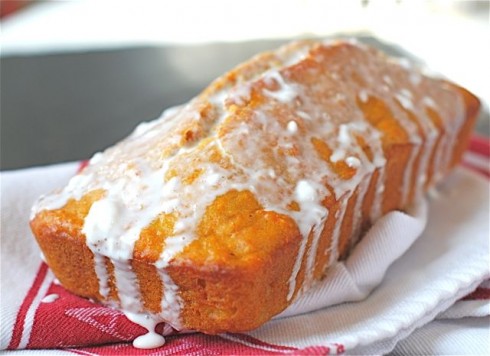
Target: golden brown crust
[[235, 275]]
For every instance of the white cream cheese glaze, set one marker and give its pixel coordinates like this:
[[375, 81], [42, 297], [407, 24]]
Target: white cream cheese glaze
[[102, 274], [136, 174], [292, 127], [285, 93], [50, 298], [310, 218], [150, 340]]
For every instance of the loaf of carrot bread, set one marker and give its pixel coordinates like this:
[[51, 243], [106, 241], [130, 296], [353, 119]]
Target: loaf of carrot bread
[[217, 215]]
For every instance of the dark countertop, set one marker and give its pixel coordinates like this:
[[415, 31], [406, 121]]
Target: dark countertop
[[64, 107]]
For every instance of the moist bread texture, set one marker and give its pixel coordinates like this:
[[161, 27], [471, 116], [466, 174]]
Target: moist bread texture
[[217, 215]]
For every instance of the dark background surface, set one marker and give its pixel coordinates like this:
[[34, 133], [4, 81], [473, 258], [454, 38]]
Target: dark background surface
[[65, 107]]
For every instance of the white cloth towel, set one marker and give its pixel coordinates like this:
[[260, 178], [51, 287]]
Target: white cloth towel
[[447, 262], [397, 280]]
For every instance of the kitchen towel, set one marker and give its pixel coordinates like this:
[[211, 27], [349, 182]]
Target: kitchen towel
[[402, 286]]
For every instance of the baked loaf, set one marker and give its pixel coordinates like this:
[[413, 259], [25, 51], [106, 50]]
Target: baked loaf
[[217, 215]]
